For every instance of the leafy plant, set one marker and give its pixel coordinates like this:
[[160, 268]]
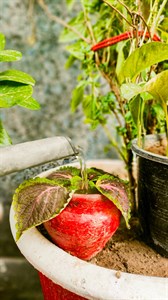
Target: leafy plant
[[121, 49], [16, 88], [41, 199]]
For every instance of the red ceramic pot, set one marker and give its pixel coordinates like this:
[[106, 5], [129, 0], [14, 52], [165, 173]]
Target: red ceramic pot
[[52, 291]]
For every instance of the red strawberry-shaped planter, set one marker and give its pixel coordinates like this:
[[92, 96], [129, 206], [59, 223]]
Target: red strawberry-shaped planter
[[80, 214], [85, 225]]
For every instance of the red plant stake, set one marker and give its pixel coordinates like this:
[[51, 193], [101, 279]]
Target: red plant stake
[[121, 37]]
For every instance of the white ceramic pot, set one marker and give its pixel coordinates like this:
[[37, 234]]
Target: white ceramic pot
[[83, 278]]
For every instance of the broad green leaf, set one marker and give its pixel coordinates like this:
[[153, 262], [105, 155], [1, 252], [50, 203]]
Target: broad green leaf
[[17, 76], [130, 90], [117, 191], [158, 86], [10, 55], [14, 94], [36, 201], [77, 97], [144, 57], [29, 103], [5, 139], [2, 41]]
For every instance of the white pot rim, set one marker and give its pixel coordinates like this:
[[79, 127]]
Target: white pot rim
[[84, 278]]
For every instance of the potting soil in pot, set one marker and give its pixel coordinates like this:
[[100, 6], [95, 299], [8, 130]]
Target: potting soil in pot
[[127, 252]]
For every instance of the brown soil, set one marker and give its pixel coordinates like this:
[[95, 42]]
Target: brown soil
[[158, 148], [127, 252]]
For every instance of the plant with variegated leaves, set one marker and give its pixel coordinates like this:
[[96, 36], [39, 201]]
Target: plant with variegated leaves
[[40, 199], [16, 88]]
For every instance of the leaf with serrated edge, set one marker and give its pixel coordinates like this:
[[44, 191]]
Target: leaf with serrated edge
[[117, 191], [64, 173], [36, 201]]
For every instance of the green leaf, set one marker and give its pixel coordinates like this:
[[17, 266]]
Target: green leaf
[[120, 58], [71, 59], [117, 191], [77, 97], [76, 183], [5, 139], [144, 57], [10, 55], [30, 103], [87, 105], [17, 76], [93, 173], [14, 94], [130, 90], [76, 49], [135, 105], [36, 201], [158, 86], [2, 41]]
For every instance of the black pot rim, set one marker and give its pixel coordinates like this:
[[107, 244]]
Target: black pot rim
[[149, 155]]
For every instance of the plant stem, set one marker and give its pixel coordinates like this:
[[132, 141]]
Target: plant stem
[[113, 7], [156, 20], [82, 163]]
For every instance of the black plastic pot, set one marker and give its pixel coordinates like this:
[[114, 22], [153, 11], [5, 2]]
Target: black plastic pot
[[152, 194]]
